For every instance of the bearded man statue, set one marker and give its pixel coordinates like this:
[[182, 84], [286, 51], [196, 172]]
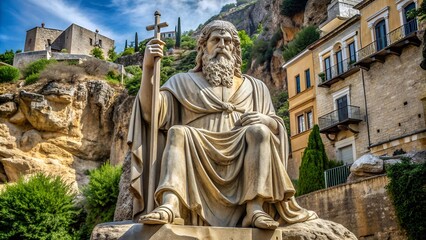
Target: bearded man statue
[[222, 149]]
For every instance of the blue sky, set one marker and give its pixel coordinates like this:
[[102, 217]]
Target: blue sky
[[116, 19]]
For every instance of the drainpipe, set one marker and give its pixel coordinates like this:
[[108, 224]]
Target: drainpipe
[[365, 99]]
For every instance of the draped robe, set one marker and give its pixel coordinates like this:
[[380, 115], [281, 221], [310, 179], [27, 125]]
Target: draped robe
[[212, 176]]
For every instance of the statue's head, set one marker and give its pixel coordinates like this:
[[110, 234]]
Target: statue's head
[[219, 53]]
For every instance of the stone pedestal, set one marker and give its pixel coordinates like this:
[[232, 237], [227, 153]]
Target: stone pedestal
[[318, 229]]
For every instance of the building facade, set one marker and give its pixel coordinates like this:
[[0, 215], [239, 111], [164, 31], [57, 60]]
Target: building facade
[[75, 39], [370, 92]]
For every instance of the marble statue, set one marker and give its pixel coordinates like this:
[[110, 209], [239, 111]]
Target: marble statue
[[222, 150]]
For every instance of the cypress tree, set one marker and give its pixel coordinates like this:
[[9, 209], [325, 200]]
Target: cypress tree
[[136, 42], [314, 162], [178, 34], [125, 46]]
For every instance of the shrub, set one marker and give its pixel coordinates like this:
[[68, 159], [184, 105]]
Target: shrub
[[128, 51], [37, 66], [8, 74], [134, 70], [113, 76], [304, 38], [246, 48], [95, 67], [227, 7], [40, 208], [101, 195], [112, 55], [314, 162], [97, 53], [188, 42], [408, 193], [63, 71], [291, 7], [34, 77]]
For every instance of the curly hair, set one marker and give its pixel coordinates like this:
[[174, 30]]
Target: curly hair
[[202, 43]]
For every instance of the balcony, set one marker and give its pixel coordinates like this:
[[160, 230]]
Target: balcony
[[392, 43], [337, 72], [339, 119]]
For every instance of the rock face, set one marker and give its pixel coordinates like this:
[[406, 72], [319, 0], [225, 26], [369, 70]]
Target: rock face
[[62, 128], [318, 229]]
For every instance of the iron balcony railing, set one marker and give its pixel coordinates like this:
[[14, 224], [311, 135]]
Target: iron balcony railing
[[339, 116], [390, 38], [337, 175], [338, 69]]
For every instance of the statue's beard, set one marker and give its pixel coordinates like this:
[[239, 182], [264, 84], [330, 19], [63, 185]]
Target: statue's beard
[[218, 68]]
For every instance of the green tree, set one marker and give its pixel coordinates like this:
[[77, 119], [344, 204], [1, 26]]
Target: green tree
[[178, 34], [246, 49], [314, 162], [40, 208], [112, 55], [291, 7], [136, 42], [7, 57], [8, 74], [188, 42], [97, 53], [128, 51], [303, 38]]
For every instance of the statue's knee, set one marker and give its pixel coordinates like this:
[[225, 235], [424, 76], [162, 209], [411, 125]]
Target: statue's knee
[[176, 134], [258, 133]]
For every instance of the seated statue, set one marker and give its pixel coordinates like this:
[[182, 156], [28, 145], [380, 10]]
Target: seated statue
[[222, 150]]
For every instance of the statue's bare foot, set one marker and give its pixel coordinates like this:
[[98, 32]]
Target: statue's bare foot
[[161, 215], [260, 219]]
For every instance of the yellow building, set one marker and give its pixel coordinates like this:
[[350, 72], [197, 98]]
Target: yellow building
[[368, 92], [395, 85], [302, 108]]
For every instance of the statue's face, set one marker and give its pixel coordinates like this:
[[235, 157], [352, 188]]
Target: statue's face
[[220, 44]]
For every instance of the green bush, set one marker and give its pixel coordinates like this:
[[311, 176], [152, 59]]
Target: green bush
[[101, 195], [133, 84], [113, 76], [128, 51], [7, 56], [40, 208], [246, 48], [37, 66], [97, 53], [8, 74], [187, 62], [314, 162], [291, 7], [407, 188], [32, 78], [134, 70], [303, 38]]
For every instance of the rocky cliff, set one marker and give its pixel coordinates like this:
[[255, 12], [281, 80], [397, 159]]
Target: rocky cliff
[[62, 128], [267, 12]]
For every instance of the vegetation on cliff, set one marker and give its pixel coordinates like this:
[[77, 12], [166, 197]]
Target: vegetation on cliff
[[8, 74], [304, 38], [291, 7], [407, 188]]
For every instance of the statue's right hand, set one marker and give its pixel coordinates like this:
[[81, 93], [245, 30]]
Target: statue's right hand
[[154, 48]]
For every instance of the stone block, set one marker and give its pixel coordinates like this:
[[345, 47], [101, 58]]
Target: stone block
[[318, 229]]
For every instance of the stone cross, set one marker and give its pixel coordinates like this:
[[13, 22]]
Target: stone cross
[[154, 118]]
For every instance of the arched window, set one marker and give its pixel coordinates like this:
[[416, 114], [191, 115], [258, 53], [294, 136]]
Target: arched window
[[381, 40]]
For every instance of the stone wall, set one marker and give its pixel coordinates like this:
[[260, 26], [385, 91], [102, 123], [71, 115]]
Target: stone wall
[[363, 207], [37, 38], [129, 60], [80, 41]]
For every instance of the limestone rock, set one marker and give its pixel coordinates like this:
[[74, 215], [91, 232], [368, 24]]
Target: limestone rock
[[8, 97], [124, 207], [29, 140], [367, 164], [315, 12], [8, 109], [318, 229]]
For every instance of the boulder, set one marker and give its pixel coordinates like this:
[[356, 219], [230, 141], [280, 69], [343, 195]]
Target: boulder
[[124, 206], [317, 229], [366, 165]]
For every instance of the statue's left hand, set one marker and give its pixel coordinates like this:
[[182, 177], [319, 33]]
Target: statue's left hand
[[251, 118]]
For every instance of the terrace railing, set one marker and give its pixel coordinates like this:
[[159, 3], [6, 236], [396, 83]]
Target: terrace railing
[[339, 116], [337, 175]]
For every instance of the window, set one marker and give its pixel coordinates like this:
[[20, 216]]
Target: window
[[339, 61], [381, 40], [310, 121], [100, 43], [327, 65], [91, 41], [49, 42], [301, 123], [342, 107], [297, 84], [308, 78], [345, 154], [410, 22], [352, 53]]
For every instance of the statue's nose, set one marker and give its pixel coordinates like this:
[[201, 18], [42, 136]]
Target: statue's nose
[[221, 43]]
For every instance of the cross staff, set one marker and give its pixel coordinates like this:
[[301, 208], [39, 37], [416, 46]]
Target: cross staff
[[154, 113]]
